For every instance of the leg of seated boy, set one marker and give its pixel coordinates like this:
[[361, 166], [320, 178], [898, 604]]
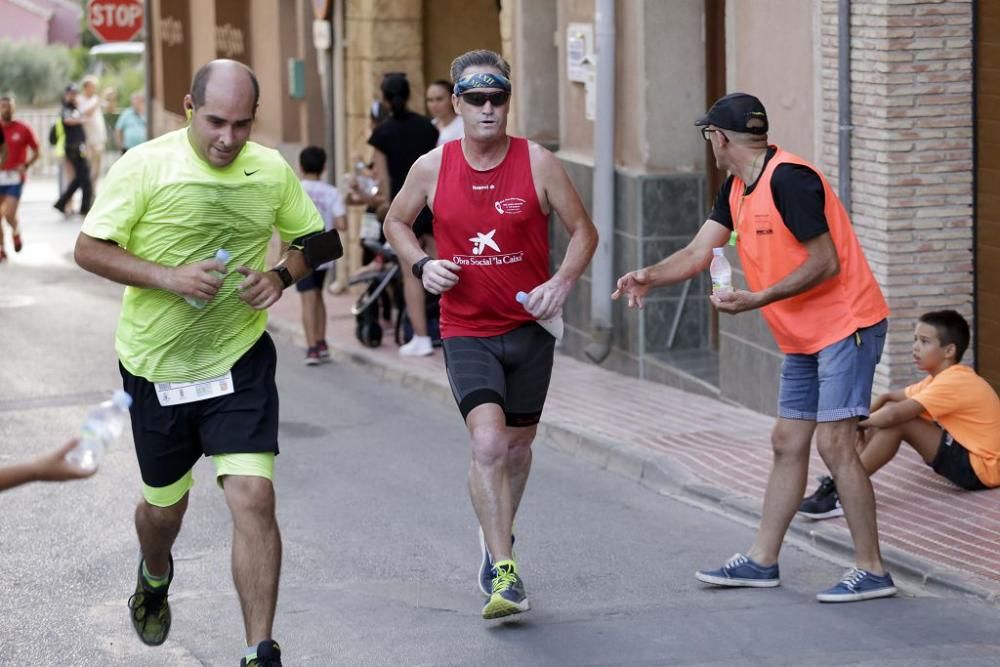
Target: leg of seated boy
[[922, 435]]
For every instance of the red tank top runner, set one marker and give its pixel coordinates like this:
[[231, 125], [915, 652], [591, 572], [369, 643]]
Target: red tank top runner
[[491, 224]]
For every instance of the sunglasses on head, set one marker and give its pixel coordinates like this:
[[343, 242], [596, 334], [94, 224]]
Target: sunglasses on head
[[497, 99]]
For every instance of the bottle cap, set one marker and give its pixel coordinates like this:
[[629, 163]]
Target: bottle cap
[[732, 238], [718, 252], [223, 255], [121, 399], [521, 297]]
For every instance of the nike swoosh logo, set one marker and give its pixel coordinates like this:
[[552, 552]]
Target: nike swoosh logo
[[250, 173]]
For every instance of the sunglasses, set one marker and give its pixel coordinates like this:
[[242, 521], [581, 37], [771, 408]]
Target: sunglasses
[[706, 134], [497, 99]]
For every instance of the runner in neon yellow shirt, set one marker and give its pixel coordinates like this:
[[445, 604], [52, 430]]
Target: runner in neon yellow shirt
[[202, 380]]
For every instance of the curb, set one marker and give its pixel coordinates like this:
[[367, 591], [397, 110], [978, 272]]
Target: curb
[[658, 472]]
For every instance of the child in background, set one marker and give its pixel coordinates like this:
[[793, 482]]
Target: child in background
[[330, 205], [951, 417]]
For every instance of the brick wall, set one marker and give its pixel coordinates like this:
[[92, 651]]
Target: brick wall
[[911, 156]]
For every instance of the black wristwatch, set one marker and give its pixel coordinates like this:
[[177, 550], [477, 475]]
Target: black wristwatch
[[285, 275], [418, 268]]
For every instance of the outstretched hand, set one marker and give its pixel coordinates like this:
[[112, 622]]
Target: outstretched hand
[[53, 467], [635, 285]]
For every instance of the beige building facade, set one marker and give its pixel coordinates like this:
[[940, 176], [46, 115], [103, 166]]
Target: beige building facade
[[924, 115]]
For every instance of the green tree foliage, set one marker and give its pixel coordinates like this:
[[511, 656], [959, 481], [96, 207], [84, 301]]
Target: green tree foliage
[[34, 73]]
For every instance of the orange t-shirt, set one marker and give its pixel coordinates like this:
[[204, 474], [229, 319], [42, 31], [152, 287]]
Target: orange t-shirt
[[966, 406]]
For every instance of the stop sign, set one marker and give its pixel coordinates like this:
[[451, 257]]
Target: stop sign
[[115, 20]]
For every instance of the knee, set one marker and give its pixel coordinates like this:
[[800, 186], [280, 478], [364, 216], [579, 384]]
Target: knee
[[162, 518], [489, 446], [249, 497], [835, 451], [788, 448]]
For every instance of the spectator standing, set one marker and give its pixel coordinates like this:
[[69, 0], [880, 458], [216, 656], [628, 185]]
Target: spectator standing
[[74, 144], [312, 162], [130, 129], [91, 107], [398, 142], [449, 124]]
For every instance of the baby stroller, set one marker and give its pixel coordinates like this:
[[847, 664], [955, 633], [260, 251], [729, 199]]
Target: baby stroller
[[384, 296]]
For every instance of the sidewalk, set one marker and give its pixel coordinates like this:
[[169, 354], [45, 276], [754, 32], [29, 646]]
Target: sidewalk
[[683, 444]]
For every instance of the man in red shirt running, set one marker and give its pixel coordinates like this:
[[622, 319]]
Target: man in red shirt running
[[491, 195], [13, 170]]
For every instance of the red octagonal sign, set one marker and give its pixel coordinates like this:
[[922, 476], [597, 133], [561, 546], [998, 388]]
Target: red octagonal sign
[[115, 20]]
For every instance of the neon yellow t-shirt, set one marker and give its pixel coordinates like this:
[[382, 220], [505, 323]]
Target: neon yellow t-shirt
[[163, 203]]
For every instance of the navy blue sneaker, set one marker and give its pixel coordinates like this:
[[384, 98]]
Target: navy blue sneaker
[[486, 565], [857, 585], [741, 571], [508, 595], [268, 655]]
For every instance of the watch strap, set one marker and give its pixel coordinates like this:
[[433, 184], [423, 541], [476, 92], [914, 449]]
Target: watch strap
[[418, 268], [285, 275]]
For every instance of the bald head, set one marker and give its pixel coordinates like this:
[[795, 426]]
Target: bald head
[[226, 74]]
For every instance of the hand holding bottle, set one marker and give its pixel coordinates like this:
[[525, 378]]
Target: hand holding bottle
[[104, 425], [199, 282], [554, 325]]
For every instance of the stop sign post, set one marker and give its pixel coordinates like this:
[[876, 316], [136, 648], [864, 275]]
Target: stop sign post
[[115, 20]]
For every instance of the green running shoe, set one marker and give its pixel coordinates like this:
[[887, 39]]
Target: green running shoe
[[508, 592], [149, 609]]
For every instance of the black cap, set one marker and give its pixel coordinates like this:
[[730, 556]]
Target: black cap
[[71, 88], [738, 112]]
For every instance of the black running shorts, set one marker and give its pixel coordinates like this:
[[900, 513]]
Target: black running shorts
[[511, 370], [952, 462], [170, 440]]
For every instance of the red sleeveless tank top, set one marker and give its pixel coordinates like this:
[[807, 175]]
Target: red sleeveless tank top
[[491, 224]]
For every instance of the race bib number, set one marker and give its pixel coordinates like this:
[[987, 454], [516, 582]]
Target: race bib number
[[178, 393], [10, 177]]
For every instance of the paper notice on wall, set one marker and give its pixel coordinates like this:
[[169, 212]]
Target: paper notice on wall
[[579, 49]]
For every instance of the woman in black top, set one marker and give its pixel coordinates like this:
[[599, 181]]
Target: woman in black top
[[398, 142]]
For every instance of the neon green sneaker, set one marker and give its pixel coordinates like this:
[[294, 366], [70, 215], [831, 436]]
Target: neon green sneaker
[[149, 609], [508, 596]]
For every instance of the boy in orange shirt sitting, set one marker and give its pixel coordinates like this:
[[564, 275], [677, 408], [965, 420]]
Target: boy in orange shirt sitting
[[951, 417]]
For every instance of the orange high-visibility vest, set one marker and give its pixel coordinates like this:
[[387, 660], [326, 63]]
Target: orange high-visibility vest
[[830, 311]]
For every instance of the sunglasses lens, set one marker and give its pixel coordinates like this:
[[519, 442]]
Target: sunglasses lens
[[479, 99]]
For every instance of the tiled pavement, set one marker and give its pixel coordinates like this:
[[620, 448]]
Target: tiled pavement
[[674, 441]]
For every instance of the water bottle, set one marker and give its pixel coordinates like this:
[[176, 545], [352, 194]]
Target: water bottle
[[553, 325], [104, 425], [365, 184], [722, 273], [223, 256]]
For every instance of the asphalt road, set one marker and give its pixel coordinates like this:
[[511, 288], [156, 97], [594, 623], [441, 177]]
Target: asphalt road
[[380, 540]]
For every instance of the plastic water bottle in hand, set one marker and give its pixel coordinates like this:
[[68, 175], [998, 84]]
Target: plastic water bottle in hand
[[722, 273], [103, 426], [365, 184], [553, 325], [223, 256]]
